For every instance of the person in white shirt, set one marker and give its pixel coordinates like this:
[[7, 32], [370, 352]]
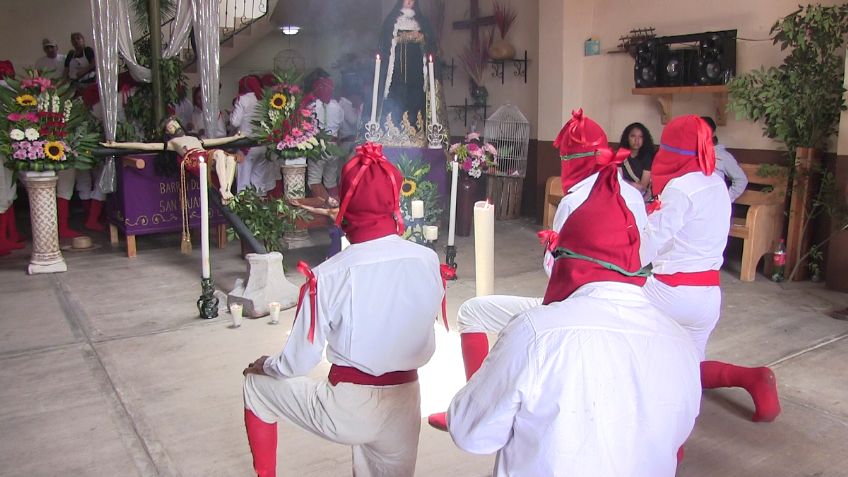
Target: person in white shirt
[[198, 124], [726, 166], [381, 289], [685, 241], [322, 175], [52, 62], [580, 144], [80, 67], [255, 170], [594, 382], [351, 104]]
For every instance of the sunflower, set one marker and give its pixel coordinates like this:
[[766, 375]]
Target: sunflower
[[278, 101], [54, 150], [407, 187], [26, 100]]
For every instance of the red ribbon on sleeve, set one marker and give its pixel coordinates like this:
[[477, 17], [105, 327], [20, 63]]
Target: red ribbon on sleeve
[[548, 239], [310, 284]]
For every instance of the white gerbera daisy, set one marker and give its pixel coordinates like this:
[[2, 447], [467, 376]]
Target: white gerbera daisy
[[31, 134], [17, 135]]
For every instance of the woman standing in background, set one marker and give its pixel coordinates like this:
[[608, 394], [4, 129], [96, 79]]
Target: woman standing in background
[[636, 169]]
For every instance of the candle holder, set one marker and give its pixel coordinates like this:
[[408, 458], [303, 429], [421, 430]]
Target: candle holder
[[207, 304], [435, 136], [416, 231], [450, 258], [372, 131]]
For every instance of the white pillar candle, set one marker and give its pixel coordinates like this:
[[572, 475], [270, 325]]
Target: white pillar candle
[[484, 247], [417, 209], [452, 223], [204, 220], [236, 310], [274, 310], [376, 88], [433, 119], [431, 232]]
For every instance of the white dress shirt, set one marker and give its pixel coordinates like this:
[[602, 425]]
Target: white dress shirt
[[377, 301], [350, 118], [329, 116], [243, 113], [601, 384], [578, 194], [689, 231], [728, 169], [55, 65]]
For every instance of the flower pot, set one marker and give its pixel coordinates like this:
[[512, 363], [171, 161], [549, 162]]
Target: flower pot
[[468, 191], [502, 50]]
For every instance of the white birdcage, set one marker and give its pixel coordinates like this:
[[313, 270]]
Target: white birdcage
[[508, 130]]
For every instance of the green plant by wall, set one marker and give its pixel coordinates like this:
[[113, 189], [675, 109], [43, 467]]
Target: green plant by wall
[[267, 218]]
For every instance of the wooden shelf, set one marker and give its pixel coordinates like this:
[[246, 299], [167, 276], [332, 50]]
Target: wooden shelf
[[665, 95]]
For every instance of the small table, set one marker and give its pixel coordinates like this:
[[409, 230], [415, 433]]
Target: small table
[[145, 203]]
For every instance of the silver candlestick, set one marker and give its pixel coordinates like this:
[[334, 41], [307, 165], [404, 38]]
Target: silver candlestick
[[373, 133], [435, 136]]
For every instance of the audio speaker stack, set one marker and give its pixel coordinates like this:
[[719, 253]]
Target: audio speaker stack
[[686, 60]]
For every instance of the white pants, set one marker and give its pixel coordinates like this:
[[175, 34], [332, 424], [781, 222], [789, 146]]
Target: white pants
[[87, 184], [8, 188], [382, 423], [257, 171], [490, 314], [695, 308]]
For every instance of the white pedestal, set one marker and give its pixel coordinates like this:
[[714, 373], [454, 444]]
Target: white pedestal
[[46, 254], [265, 283], [294, 186]]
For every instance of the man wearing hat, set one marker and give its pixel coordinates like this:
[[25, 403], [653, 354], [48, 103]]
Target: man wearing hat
[[372, 306], [685, 240], [597, 380], [52, 61], [580, 143]]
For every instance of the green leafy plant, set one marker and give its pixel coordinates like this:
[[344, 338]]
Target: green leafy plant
[[814, 265], [415, 186], [267, 218]]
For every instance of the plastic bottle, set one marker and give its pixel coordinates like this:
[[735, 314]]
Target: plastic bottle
[[779, 260]]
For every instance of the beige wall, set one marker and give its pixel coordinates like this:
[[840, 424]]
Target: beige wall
[[608, 78]]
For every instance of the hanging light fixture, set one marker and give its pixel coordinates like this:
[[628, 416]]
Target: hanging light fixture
[[290, 29]]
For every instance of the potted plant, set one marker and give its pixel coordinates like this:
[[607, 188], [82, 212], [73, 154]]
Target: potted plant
[[505, 15], [799, 104], [475, 59], [267, 218]]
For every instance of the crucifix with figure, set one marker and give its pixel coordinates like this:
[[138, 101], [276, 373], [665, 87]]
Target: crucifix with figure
[[474, 23]]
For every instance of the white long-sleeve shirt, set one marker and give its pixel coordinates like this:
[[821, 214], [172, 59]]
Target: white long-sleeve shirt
[[243, 113], [728, 169], [601, 384], [578, 194], [689, 231], [376, 304], [329, 116]]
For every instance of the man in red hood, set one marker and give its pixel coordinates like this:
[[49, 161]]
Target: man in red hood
[[371, 308]]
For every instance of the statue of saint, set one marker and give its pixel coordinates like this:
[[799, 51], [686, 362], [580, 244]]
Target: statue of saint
[[405, 40]]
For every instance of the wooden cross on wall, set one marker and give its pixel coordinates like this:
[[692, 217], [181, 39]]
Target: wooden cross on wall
[[474, 23]]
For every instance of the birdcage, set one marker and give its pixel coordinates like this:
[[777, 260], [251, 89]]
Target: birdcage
[[508, 130]]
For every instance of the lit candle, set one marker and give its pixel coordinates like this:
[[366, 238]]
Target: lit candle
[[204, 220], [417, 209], [431, 233], [484, 247], [433, 119], [452, 223], [376, 88]]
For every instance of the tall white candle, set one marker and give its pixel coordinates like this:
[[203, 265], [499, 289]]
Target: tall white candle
[[417, 209], [452, 223], [375, 91], [433, 119], [204, 220], [484, 247]]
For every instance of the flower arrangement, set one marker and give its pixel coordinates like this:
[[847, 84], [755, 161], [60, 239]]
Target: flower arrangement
[[42, 128], [415, 186], [475, 157], [505, 16], [288, 124], [475, 59]]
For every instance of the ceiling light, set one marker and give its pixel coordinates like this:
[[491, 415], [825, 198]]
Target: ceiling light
[[290, 29]]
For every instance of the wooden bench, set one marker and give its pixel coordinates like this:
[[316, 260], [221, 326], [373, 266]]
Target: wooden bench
[[762, 226], [553, 194]]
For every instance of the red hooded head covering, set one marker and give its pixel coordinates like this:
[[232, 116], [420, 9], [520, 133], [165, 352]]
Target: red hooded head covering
[[90, 95], [322, 89], [578, 142], [601, 243], [686, 146], [250, 84], [370, 192], [6, 69], [268, 80]]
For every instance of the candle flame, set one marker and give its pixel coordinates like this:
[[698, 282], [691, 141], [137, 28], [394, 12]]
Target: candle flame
[[431, 58], [378, 56]]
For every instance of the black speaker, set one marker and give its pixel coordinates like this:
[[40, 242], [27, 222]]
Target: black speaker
[[678, 67], [717, 57], [647, 63]]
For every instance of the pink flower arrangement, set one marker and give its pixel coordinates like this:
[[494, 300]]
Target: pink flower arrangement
[[15, 117], [474, 158], [43, 84]]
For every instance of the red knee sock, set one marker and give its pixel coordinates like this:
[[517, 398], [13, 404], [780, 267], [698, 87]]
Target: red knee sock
[[92, 222], [262, 438], [63, 215], [759, 382], [277, 191], [475, 348], [12, 233]]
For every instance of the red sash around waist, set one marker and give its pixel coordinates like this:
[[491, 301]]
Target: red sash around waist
[[707, 278], [347, 374]]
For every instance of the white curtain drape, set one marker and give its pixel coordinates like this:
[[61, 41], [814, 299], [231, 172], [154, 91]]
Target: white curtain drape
[[104, 18], [173, 45], [207, 37]]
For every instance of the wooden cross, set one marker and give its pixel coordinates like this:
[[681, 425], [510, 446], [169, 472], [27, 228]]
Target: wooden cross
[[474, 23]]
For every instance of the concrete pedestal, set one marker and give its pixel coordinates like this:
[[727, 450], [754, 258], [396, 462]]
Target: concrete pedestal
[[294, 186], [265, 283], [46, 255]]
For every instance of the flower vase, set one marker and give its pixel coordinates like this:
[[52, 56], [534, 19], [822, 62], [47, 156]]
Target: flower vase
[[502, 50], [468, 191]]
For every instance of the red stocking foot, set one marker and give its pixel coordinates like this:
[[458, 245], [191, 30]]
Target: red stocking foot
[[439, 421], [763, 390]]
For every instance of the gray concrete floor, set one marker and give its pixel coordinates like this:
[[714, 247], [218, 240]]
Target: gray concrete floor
[[107, 370]]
